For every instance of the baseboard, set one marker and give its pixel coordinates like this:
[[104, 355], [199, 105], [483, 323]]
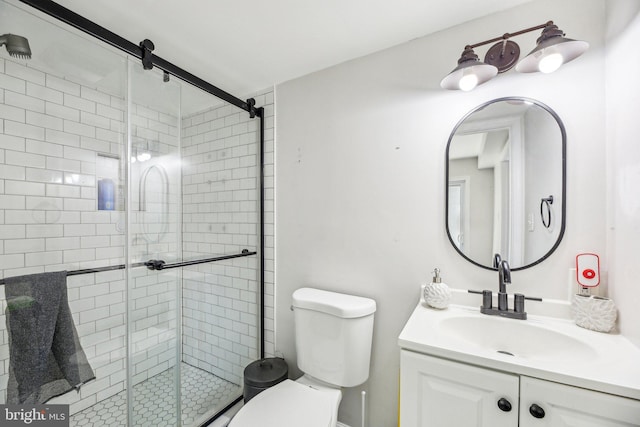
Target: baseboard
[[339, 424]]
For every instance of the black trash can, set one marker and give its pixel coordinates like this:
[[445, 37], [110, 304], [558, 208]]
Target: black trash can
[[262, 374]]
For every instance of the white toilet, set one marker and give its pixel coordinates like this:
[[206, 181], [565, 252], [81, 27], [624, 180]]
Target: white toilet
[[333, 340]]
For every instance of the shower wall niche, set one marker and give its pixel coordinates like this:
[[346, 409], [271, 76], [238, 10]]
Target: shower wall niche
[[103, 164]]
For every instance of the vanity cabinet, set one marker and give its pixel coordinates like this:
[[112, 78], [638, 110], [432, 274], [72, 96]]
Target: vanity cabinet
[[437, 392]]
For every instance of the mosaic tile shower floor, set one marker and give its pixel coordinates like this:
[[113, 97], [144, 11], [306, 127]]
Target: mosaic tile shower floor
[[153, 405]]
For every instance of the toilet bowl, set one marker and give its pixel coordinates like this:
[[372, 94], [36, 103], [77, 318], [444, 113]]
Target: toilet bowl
[[333, 334], [291, 404]]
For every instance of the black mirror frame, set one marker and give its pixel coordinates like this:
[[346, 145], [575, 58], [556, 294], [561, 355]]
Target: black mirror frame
[[564, 179]]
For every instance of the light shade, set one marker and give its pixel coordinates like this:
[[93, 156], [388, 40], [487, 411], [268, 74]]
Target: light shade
[[469, 73], [552, 51]]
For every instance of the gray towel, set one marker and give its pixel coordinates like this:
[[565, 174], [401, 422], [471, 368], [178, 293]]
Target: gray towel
[[46, 359]]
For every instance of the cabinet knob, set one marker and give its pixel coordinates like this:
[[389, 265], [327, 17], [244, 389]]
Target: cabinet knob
[[504, 405], [536, 411]]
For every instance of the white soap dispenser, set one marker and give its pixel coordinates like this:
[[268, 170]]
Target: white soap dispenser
[[437, 294]]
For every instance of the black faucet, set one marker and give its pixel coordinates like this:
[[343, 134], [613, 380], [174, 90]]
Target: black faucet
[[504, 278]]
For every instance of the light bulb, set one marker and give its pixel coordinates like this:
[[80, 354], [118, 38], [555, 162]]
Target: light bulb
[[550, 63], [468, 82]]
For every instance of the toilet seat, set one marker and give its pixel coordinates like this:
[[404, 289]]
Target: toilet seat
[[290, 404]]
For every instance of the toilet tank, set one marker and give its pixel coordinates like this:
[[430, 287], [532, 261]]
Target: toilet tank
[[333, 333]]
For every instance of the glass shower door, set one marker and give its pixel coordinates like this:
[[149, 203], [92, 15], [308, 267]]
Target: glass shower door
[[220, 299], [155, 234], [103, 167]]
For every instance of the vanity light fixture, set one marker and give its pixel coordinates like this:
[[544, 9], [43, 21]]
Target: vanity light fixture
[[552, 50]]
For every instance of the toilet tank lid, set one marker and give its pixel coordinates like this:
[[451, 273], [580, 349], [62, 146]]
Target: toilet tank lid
[[334, 303]]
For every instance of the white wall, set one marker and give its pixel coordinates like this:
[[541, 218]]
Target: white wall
[[623, 150], [360, 177]]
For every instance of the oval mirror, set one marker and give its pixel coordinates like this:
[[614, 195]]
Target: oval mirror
[[506, 182]]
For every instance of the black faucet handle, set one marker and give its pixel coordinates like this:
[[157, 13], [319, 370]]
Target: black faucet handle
[[487, 298], [518, 303]]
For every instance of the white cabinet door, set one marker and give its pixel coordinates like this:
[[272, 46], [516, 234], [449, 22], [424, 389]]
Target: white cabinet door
[[565, 406], [436, 392]]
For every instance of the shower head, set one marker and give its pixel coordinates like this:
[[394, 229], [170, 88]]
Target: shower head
[[17, 46]]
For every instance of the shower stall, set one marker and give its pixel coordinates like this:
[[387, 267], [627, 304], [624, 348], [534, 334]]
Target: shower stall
[[146, 185]]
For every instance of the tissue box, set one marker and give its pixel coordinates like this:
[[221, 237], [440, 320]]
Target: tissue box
[[595, 313]]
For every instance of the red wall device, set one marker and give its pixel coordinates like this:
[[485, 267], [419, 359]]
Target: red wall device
[[588, 270]]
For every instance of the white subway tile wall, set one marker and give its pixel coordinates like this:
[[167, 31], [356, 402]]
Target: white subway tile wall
[[51, 131]]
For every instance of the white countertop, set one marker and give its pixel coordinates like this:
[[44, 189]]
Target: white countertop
[[604, 362]]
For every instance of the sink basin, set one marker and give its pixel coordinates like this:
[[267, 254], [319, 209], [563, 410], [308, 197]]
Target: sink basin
[[542, 347], [528, 340]]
